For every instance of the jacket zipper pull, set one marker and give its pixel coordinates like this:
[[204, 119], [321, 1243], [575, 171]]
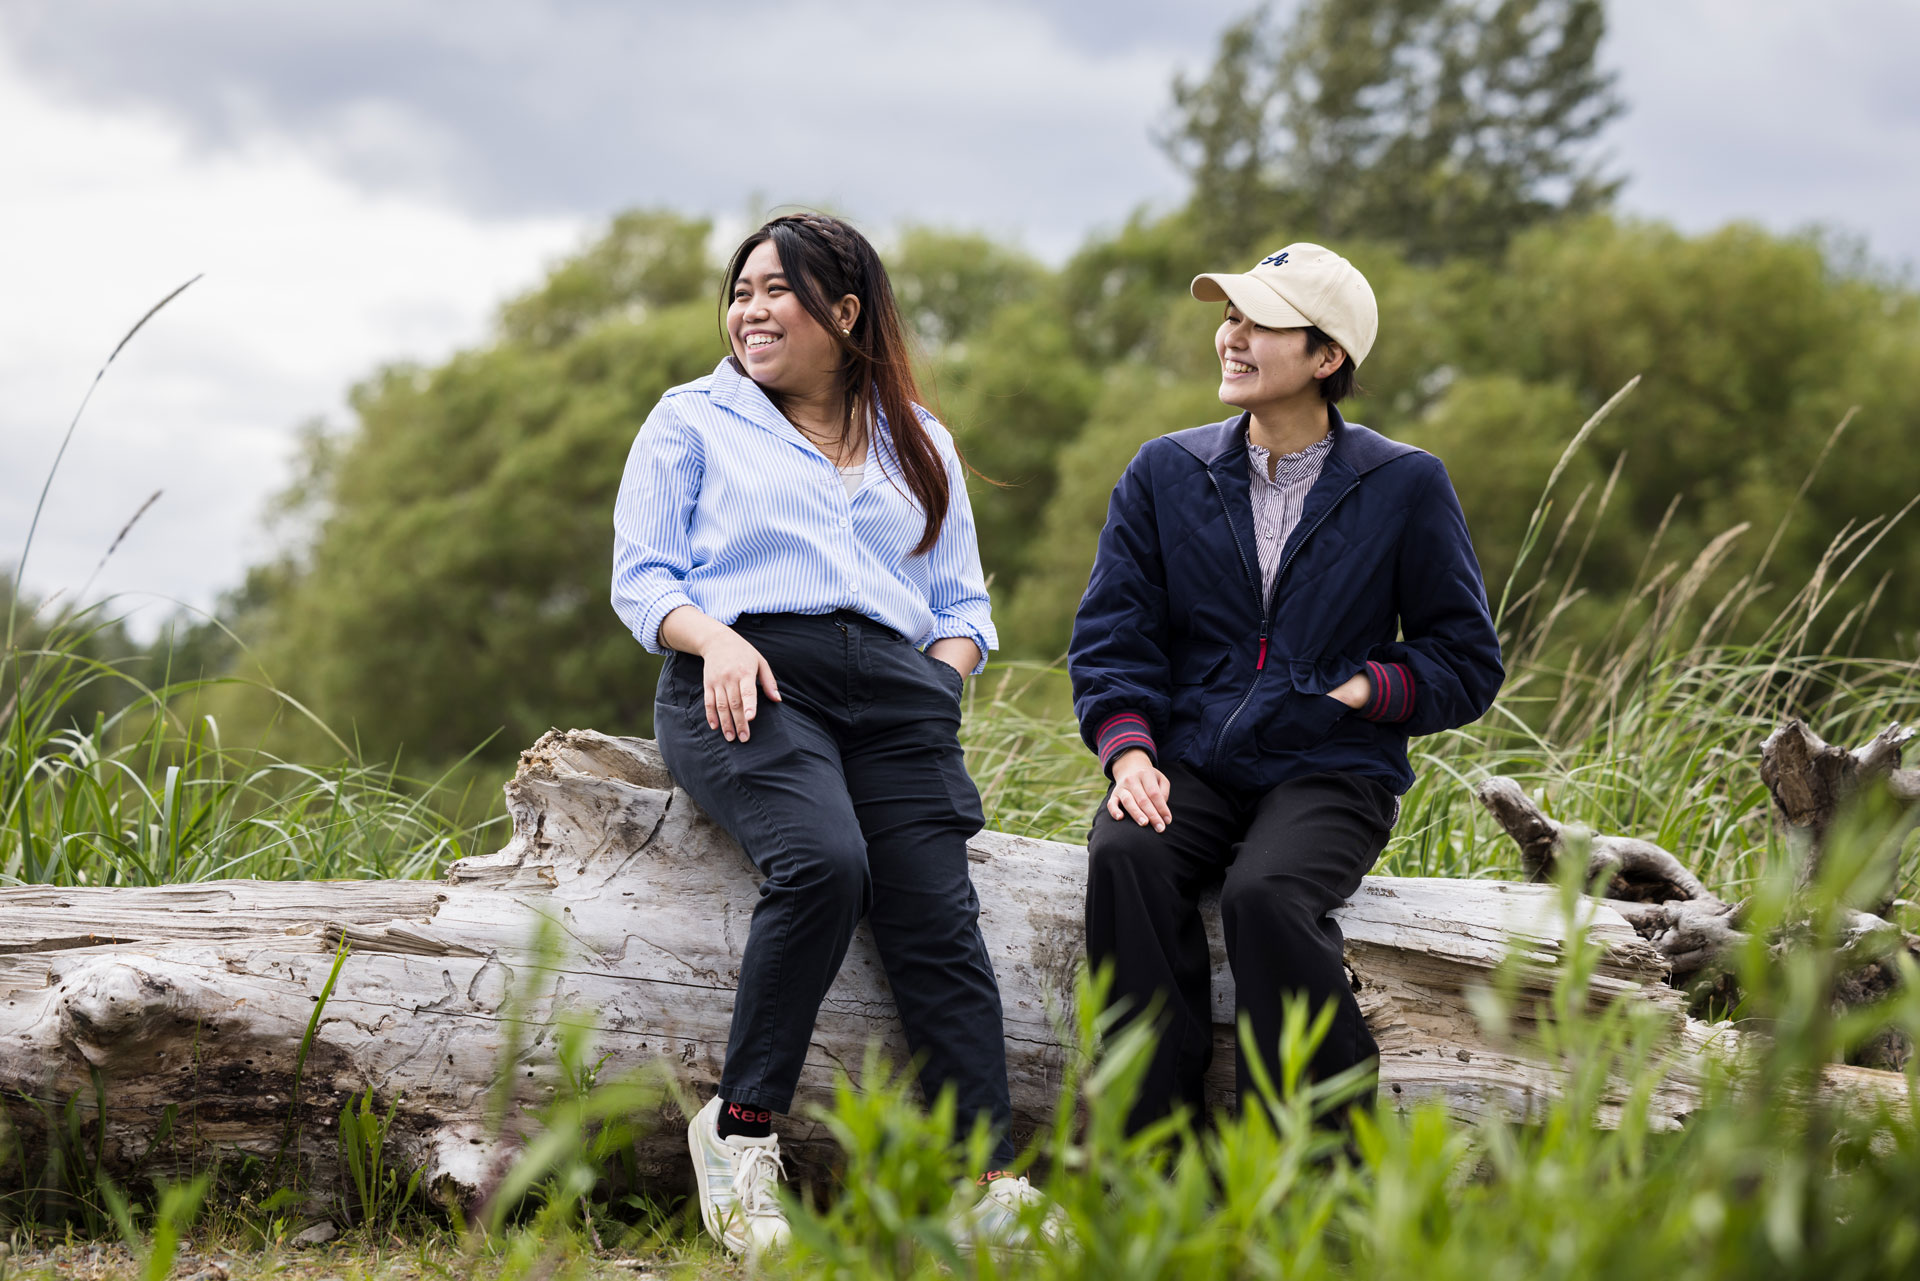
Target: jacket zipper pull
[[1261, 665]]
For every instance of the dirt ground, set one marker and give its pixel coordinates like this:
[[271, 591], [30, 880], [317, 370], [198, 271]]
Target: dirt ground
[[355, 1260]]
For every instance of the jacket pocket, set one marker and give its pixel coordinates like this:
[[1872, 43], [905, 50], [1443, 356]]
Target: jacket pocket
[[1326, 674], [1197, 665], [1296, 721]]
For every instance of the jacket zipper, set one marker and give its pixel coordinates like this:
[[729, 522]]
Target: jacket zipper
[[1266, 600]]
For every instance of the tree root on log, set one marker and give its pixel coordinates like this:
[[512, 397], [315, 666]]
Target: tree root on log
[[182, 1009], [1809, 780]]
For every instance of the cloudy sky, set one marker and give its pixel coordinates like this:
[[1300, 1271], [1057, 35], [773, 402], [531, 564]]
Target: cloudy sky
[[363, 181]]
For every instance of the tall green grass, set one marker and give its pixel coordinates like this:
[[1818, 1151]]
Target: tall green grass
[[148, 793], [151, 794], [1770, 1177]]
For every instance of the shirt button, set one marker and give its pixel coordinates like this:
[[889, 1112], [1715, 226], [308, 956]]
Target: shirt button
[[844, 522]]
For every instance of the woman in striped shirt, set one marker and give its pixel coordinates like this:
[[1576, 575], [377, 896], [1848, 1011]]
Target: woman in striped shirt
[[793, 532]]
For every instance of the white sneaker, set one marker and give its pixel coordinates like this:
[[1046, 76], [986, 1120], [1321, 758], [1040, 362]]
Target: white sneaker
[[1000, 1218], [737, 1176]]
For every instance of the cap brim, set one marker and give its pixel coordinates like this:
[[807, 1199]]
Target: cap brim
[[1256, 301]]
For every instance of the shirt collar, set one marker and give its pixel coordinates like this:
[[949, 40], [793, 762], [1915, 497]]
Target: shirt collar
[[730, 388], [1290, 469]]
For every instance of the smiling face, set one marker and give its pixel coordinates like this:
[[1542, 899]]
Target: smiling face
[[778, 342], [1261, 368]]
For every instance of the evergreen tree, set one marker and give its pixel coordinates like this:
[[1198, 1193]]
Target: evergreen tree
[[1440, 126]]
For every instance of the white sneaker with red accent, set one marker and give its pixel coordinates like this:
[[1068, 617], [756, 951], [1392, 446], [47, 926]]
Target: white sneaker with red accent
[[1008, 1215], [737, 1176]]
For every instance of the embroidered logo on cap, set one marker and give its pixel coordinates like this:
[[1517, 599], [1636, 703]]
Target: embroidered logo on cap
[[1274, 260]]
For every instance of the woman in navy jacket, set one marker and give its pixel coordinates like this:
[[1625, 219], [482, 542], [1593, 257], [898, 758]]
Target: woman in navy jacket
[[1278, 602]]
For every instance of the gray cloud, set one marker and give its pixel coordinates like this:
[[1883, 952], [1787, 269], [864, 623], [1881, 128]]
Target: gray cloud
[[1780, 113], [1023, 118], [363, 179], [1029, 119]]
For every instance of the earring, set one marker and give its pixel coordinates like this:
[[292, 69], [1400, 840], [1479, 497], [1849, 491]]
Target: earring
[[847, 331]]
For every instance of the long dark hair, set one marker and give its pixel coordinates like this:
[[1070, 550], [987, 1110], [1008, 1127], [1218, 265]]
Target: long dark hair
[[825, 259]]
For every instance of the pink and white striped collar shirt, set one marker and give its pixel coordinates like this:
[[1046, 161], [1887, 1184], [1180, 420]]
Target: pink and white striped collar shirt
[[1279, 501]]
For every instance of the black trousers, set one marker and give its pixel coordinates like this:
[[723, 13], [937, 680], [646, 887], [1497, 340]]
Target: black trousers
[[1283, 860], [852, 798]]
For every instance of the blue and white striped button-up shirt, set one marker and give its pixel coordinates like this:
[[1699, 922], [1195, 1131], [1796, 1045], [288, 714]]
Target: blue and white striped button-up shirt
[[726, 506]]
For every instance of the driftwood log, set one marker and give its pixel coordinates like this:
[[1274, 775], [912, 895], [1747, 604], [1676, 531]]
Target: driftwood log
[[1809, 781], [174, 1016]]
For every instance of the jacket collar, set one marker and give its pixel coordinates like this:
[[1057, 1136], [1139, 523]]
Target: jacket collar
[[1360, 448]]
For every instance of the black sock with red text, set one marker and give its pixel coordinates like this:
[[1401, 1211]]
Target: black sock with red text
[[747, 1122]]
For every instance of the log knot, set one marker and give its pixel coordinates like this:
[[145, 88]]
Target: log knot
[[111, 1007]]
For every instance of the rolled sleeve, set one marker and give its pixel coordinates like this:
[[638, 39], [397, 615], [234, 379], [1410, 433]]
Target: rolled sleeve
[[956, 587], [652, 520]]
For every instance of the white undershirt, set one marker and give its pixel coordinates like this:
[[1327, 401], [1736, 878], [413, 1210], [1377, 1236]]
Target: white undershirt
[[851, 475]]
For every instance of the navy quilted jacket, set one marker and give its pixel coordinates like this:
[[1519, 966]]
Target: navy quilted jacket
[[1175, 650]]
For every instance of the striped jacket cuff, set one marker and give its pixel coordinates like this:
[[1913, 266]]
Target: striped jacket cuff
[[1120, 732], [1392, 692]]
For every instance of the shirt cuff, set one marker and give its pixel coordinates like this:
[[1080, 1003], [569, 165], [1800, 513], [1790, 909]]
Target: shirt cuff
[[1392, 699], [1121, 732], [648, 632], [945, 627]]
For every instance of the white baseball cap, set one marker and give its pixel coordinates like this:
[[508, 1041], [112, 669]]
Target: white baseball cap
[[1299, 286]]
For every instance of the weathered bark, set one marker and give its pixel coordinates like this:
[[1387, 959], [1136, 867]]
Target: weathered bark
[[1637, 871], [1809, 781], [1649, 887], [190, 1002]]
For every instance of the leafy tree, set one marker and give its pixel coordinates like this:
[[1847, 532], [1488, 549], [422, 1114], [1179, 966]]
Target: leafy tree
[[1001, 372], [1136, 404], [949, 285], [1442, 126], [1752, 348], [455, 585], [648, 258], [1014, 398]]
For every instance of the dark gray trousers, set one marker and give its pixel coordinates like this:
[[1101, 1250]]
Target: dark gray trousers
[[852, 798], [1283, 860]]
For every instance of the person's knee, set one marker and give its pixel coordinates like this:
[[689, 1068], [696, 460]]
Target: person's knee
[[1120, 853], [828, 878], [1267, 903]]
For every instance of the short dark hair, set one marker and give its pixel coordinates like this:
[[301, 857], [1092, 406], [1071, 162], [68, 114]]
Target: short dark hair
[[1341, 383]]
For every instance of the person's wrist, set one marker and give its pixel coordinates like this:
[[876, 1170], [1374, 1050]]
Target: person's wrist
[[709, 633], [1131, 760], [958, 652]]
